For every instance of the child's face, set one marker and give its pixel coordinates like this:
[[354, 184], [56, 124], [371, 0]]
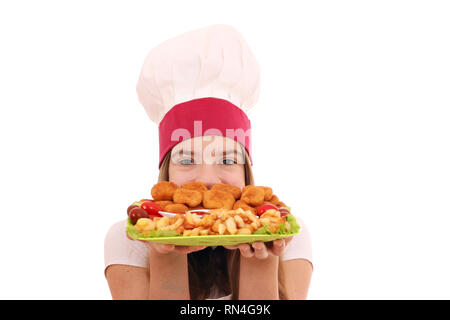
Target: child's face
[[209, 159]]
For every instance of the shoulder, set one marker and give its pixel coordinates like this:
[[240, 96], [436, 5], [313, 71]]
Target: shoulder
[[119, 249], [300, 247]]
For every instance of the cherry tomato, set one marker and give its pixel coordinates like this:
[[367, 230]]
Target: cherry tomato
[[154, 215], [131, 207], [136, 214], [151, 208], [266, 207]]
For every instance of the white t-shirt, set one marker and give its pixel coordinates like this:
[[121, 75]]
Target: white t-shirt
[[121, 250]]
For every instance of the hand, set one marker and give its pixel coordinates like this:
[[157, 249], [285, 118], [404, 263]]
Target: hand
[[162, 248], [262, 250]]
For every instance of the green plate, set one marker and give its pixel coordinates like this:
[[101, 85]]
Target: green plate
[[216, 240]]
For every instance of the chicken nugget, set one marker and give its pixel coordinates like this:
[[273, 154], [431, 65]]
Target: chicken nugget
[[242, 204], [253, 196], [195, 185], [176, 208], [163, 203], [216, 199], [267, 193], [235, 191], [163, 190], [274, 200], [188, 197]]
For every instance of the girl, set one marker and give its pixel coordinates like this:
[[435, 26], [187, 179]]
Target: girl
[[216, 63]]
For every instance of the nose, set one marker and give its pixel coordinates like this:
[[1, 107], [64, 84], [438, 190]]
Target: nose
[[208, 175]]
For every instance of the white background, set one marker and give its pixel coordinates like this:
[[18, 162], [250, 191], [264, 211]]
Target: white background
[[351, 130]]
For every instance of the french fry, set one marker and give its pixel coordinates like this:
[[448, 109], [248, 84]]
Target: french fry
[[215, 226], [189, 218], [239, 221], [249, 226], [255, 225], [250, 216], [174, 226], [221, 228], [271, 213], [231, 225], [206, 222], [164, 221], [244, 231]]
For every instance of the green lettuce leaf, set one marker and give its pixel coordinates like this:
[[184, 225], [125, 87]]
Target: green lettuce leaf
[[265, 229], [295, 227]]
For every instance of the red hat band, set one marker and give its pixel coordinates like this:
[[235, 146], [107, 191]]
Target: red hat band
[[203, 117]]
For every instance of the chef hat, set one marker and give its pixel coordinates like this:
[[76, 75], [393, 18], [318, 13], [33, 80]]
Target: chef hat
[[200, 83]]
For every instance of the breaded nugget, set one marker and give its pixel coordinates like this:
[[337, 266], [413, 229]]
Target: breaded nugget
[[163, 190], [267, 193], [188, 197], [253, 196], [176, 208], [216, 199], [235, 191], [274, 200], [242, 204], [163, 203], [195, 185]]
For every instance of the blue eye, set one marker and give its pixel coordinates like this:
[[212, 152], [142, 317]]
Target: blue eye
[[228, 161], [186, 161]]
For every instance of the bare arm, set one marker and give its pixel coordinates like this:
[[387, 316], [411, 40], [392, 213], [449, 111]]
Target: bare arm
[[258, 278], [297, 277], [169, 278], [259, 272], [127, 282], [165, 278]]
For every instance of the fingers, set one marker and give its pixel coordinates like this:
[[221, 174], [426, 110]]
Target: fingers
[[260, 250], [231, 247], [288, 239], [278, 247], [188, 249], [246, 250], [170, 248], [162, 248]]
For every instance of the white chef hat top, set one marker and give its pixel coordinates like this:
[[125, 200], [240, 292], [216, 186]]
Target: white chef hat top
[[214, 61]]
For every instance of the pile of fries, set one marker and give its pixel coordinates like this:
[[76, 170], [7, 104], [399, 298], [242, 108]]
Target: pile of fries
[[214, 222]]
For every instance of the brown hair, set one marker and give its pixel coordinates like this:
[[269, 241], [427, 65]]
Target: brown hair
[[220, 266]]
